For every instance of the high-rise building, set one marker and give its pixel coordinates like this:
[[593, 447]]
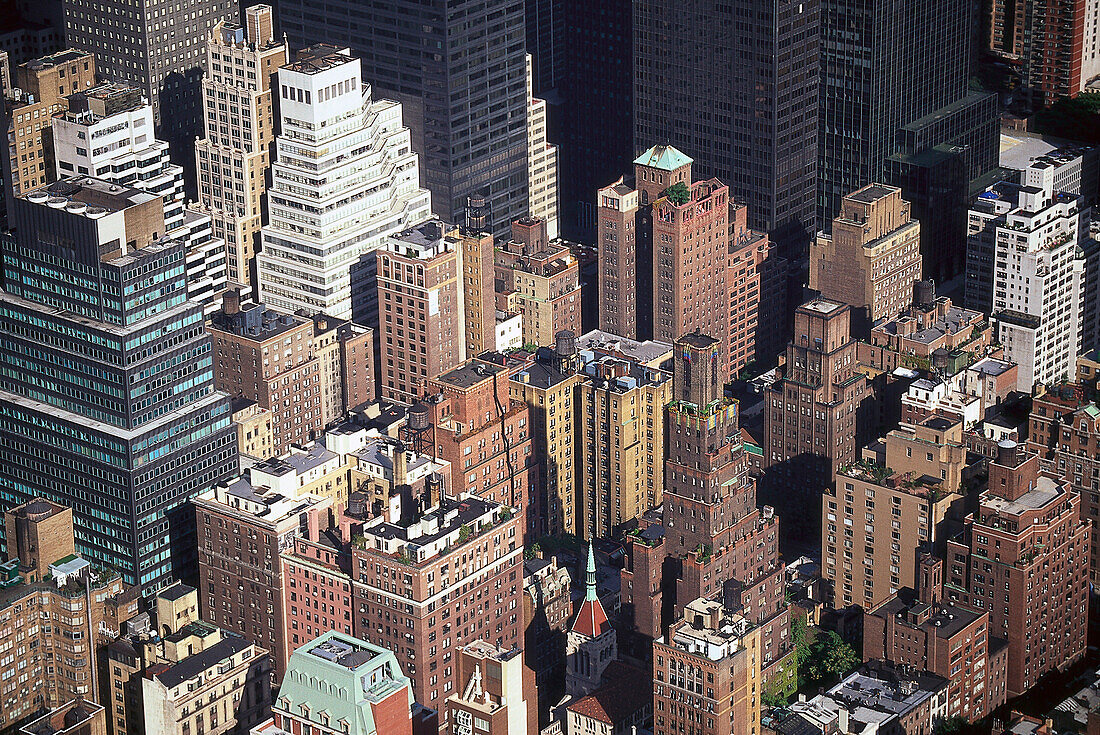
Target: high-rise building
[[484, 434], [120, 122], [233, 157], [363, 181], [131, 427], [268, 357], [756, 283], [43, 579], [43, 85], [918, 628], [425, 549], [361, 685], [1038, 304], [542, 162], [619, 411], [909, 490], [591, 643], [495, 693], [871, 259], [345, 352], [542, 278], [178, 673], [1054, 46], [1023, 557], [548, 386], [459, 73], [706, 673], [896, 107], [158, 49], [736, 85], [811, 414]]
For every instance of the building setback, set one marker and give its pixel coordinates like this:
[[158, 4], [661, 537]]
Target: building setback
[[1023, 557], [871, 259], [130, 427], [458, 71]]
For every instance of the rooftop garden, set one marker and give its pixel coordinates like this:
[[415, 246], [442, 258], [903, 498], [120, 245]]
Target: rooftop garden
[[678, 193]]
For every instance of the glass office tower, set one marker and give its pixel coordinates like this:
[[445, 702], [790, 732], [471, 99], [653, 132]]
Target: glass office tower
[[107, 400]]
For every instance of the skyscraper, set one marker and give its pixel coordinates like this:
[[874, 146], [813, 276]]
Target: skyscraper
[[234, 155], [363, 184], [736, 84], [459, 71], [108, 406], [896, 108], [156, 47]]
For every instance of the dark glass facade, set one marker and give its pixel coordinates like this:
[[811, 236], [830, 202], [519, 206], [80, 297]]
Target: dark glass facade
[[459, 69], [894, 83], [107, 400], [735, 86]]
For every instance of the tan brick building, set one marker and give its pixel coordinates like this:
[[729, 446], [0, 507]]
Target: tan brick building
[[254, 436], [872, 258], [706, 674], [495, 688], [345, 351], [542, 278], [268, 357], [44, 84], [903, 489]]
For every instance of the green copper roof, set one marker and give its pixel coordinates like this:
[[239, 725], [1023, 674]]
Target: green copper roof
[[664, 157], [338, 677]]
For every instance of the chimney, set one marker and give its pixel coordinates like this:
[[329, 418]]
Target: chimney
[[400, 464], [231, 301], [930, 582], [393, 510], [842, 719]]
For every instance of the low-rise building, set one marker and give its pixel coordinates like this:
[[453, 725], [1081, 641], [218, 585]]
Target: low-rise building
[[345, 351]]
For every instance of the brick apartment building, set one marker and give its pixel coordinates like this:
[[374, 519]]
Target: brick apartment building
[[918, 628], [871, 259], [1022, 557], [268, 357], [542, 279]]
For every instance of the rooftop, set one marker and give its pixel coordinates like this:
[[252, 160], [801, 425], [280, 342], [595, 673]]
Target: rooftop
[[197, 663], [1045, 491], [470, 374], [883, 690], [944, 618], [618, 701], [822, 306], [646, 352], [87, 196], [664, 157], [254, 322], [319, 57], [872, 193], [345, 651]]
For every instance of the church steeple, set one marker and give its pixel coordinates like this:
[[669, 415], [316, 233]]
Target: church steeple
[[590, 576], [591, 643]]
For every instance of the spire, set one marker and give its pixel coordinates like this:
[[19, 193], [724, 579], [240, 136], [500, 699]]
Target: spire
[[590, 576]]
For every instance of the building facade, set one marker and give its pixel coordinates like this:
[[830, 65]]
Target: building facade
[[132, 427], [871, 259], [233, 157], [498, 697], [350, 148]]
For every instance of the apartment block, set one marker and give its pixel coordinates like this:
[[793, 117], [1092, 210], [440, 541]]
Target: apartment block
[[909, 489], [478, 291], [421, 308], [42, 578], [268, 357], [542, 162], [542, 276], [44, 84], [372, 695], [178, 674], [485, 435], [619, 415], [1023, 558], [812, 420], [76, 717], [234, 155], [620, 247], [918, 628], [1064, 430], [345, 353], [496, 694], [253, 429], [872, 257], [757, 287], [706, 673], [355, 152], [433, 573], [549, 388]]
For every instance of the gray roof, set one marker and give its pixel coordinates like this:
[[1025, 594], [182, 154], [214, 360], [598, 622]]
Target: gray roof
[[193, 665]]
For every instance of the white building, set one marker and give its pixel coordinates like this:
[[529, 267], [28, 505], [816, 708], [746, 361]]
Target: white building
[[107, 132], [542, 163], [1038, 303], [345, 177], [509, 331]]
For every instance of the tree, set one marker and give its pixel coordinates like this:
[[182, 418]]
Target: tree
[[835, 657], [678, 193], [950, 725]]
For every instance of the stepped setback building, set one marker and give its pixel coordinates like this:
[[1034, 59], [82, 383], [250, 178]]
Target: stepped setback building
[[361, 184]]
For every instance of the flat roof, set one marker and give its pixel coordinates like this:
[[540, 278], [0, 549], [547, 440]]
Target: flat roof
[[872, 193]]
